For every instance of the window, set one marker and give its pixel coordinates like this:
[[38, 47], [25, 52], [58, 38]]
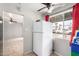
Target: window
[[62, 26], [67, 25], [58, 27]]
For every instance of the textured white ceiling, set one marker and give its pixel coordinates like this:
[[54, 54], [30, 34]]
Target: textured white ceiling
[[36, 6], [32, 6]]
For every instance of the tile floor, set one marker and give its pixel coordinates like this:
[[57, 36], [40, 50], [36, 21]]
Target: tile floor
[[33, 54], [30, 54]]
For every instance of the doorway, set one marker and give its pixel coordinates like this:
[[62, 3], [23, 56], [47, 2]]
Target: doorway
[[12, 34]]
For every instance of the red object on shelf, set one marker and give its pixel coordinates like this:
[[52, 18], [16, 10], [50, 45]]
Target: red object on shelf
[[47, 18], [75, 21]]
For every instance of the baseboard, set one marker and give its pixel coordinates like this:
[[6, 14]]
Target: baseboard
[[57, 53], [27, 52]]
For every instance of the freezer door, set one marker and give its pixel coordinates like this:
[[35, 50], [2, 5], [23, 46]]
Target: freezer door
[[47, 44], [37, 43]]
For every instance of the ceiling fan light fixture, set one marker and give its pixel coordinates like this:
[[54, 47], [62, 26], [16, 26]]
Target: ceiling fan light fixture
[[10, 22]]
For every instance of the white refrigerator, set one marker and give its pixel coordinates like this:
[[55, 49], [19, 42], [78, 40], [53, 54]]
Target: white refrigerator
[[42, 38]]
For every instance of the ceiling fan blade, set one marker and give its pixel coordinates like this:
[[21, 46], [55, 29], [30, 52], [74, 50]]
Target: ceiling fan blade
[[46, 3], [41, 9]]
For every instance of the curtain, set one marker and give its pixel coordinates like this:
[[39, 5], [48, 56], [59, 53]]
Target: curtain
[[75, 21]]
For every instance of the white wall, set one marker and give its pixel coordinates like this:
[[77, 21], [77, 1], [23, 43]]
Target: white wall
[[61, 47]]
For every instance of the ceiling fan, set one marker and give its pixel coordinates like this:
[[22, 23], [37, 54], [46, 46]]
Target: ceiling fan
[[47, 5], [51, 6], [12, 21]]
